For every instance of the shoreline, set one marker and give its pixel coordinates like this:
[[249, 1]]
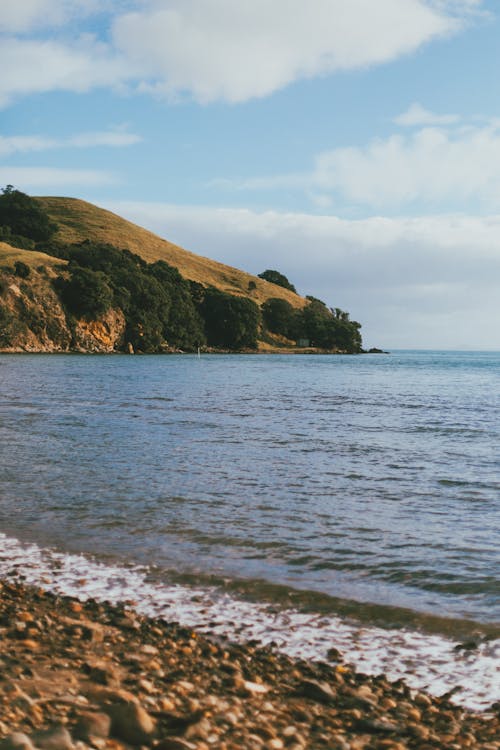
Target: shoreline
[[465, 663], [277, 350], [105, 676]]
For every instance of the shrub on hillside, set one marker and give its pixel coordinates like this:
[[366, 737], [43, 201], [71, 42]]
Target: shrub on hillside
[[275, 277], [21, 269], [279, 316], [15, 239], [230, 322], [24, 215], [86, 293], [157, 302]]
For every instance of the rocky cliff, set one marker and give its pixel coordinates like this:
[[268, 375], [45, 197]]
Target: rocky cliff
[[32, 318]]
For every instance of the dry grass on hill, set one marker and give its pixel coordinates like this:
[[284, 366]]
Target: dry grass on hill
[[9, 255], [79, 220]]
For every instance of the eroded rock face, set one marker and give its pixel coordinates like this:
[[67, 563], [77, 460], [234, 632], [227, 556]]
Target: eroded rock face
[[104, 335], [32, 319]]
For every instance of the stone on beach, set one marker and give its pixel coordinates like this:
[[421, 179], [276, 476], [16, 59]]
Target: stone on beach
[[168, 688], [54, 738], [16, 741], [131, 723], [175, 743], [317, 691], [91, 725]]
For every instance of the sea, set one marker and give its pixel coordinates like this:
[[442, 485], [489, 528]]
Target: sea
[[311, 502]]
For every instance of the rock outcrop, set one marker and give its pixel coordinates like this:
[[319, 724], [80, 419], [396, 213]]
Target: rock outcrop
[[105, 335], [33, 319]]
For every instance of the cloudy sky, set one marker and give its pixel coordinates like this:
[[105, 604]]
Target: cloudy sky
[[353, 145]]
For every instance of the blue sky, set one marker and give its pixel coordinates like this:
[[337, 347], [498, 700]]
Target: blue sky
[[353, 145]]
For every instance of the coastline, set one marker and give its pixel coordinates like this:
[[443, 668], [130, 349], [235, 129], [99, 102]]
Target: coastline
[[434, 656], [428, 665], [204, 351], [105, 676]]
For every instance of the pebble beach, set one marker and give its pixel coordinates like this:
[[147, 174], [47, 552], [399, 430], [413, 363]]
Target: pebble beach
[[78, 675]]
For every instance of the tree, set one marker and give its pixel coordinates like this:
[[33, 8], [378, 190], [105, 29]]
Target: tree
[[24, 215], [86, 293], [278, 315], [184, 327], [15, 240], [230, 322], [330, 329], [158, 304], [22, 269], [144, 331], [275, 277]]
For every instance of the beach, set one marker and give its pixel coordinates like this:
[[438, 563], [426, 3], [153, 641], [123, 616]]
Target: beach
[[91, 674], [316, 522]]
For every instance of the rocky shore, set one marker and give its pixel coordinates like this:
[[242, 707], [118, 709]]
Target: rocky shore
[[90, 675]]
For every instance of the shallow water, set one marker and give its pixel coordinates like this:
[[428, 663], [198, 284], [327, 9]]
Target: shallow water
[[333, 483], [374, 478], [427, 661]]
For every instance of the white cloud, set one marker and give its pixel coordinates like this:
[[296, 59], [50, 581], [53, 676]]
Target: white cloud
[[219, 49], [32, 66], [423, 282], [26, 15], [22, 143], [48, 178], [210, 49], [460, 7], [25, 143], [418, 115], [442, 168], [432, 166]]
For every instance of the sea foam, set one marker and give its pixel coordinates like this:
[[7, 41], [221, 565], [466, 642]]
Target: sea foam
[[424, 661]]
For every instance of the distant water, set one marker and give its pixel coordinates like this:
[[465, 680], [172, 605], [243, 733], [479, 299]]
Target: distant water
[[364, 486]]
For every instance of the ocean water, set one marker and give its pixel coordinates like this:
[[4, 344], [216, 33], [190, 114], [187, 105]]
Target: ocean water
[[312, 501]]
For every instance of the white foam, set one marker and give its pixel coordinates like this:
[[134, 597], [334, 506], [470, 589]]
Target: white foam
[[426, 662]]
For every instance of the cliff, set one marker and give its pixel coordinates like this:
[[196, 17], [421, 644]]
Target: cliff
[[32, 317]]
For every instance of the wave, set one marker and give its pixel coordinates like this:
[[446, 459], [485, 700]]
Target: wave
[[301, 624]]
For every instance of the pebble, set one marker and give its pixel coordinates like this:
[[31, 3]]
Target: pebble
[[317, 691], [104, 677], [254, 688], [16, 741], [175, 743], [275, 744], [92, 724], [131, 722], [30, 644], [54, 738]]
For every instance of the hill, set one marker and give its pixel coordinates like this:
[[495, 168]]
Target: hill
[[76, 277], [78, 220]]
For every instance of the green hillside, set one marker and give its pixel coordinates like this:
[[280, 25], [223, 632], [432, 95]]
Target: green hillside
[[75, 277], [79, 221]]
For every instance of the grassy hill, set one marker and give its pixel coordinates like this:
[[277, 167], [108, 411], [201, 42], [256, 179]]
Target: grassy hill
[[79, 220], [10, 255], [141, 300]]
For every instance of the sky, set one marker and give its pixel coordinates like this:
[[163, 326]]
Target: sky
[[353, 145]]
